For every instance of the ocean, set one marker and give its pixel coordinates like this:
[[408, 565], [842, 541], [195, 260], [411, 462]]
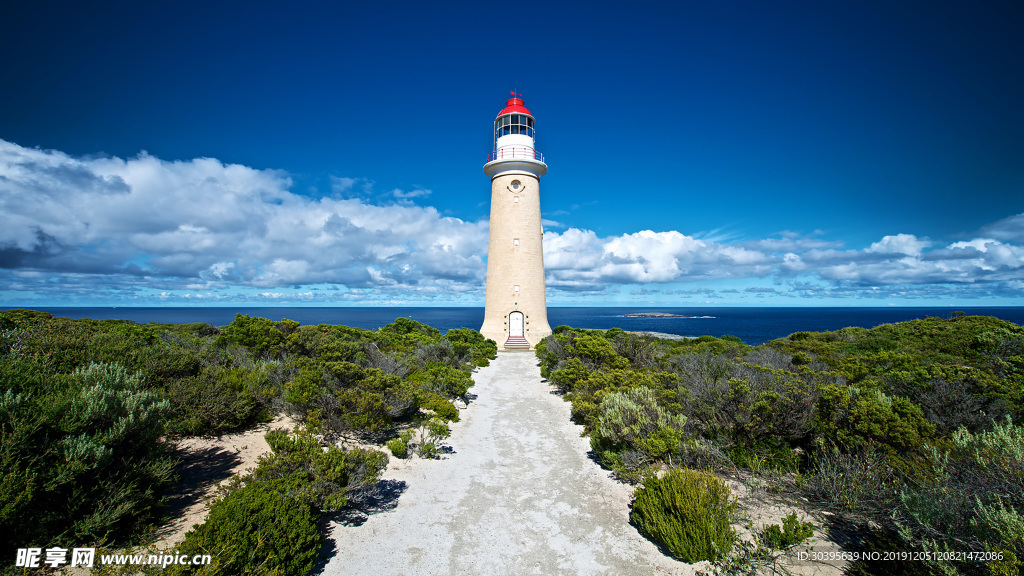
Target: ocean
[[752, 325]]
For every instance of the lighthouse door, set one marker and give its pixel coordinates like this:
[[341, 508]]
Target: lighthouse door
[[515, 324]]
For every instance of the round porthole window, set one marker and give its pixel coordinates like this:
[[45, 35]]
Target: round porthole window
[[516, 185]]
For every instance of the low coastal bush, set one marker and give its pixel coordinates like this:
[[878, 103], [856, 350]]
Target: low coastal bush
[[432, 433], [80, 454], [633, 430], [689, 512], [790, 533], [257, 530], [869, 423], [399, 445], [976, 496], [260, 335], [442, 380], [439, 405], [481, 350], [323, 477], [86, 405], [860, 481], [267, 521], [216, 401]]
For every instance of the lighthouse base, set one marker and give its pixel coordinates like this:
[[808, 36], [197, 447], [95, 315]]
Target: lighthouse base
[[513, 336]]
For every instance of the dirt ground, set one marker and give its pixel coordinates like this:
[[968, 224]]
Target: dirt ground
[[206, 463]]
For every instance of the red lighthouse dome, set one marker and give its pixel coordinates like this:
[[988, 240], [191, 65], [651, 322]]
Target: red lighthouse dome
[[514, 106]]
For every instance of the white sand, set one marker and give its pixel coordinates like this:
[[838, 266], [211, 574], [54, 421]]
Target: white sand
[[206, 463], [519, 495]]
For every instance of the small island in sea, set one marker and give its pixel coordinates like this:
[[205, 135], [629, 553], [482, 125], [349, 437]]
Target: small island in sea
[[652, 315]]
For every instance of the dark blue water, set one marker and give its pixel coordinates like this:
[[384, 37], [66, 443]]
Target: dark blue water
[[752, 325]]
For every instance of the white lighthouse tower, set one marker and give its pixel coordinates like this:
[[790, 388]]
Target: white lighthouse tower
[[516, 310]]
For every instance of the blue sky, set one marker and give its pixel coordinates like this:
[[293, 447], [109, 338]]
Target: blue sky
[[330, 153]]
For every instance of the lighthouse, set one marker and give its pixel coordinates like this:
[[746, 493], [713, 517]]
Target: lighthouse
[[516, 310]]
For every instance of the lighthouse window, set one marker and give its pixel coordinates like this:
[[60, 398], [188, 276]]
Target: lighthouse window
[[514, 124]]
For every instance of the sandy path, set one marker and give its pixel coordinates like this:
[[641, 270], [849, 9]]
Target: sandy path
[[518, 495], [206, 463]]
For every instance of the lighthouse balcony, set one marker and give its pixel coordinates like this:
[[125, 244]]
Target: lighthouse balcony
[[515, 153]]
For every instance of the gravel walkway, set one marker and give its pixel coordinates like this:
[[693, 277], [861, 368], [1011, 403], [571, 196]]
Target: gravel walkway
[[517, 495]]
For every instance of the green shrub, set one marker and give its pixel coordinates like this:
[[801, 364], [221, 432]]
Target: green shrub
[[801, 358], [789, 534], [568, 375], [321, 477], [57, 345], [306, 386], [976, 496], [442, 407], [771, 454], [595, 350], [751, 400], [633, 420], [482, 350], [399, 445], [260, 335], [641, 351], [164, 364], [438, 430], [432, 433], [860, 480], [427, 450], [257, 530], [689, 512], [442, 380], [216, 401], [361, 411], [405, 332], [80, 457], [861, 416], [442, 352]]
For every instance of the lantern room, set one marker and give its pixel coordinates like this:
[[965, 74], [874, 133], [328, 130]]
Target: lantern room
[[514, 133], [513, 122]]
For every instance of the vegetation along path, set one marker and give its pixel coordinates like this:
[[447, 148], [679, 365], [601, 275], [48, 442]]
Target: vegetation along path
[[517, 495]]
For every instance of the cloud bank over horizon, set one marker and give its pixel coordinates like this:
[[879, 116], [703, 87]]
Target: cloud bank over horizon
[[146, 231]]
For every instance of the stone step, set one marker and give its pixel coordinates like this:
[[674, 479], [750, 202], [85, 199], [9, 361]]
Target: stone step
[[517, 343]]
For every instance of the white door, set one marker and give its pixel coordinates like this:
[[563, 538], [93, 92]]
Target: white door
[[515, 324]]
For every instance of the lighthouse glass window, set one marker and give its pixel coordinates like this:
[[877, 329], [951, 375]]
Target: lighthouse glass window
[[513, 124]]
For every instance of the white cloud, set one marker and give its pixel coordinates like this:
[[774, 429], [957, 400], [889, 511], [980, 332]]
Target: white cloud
[[233, 225], [580, 259], [143, 227], [417, 193], [1007, 230], [900, 244]]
